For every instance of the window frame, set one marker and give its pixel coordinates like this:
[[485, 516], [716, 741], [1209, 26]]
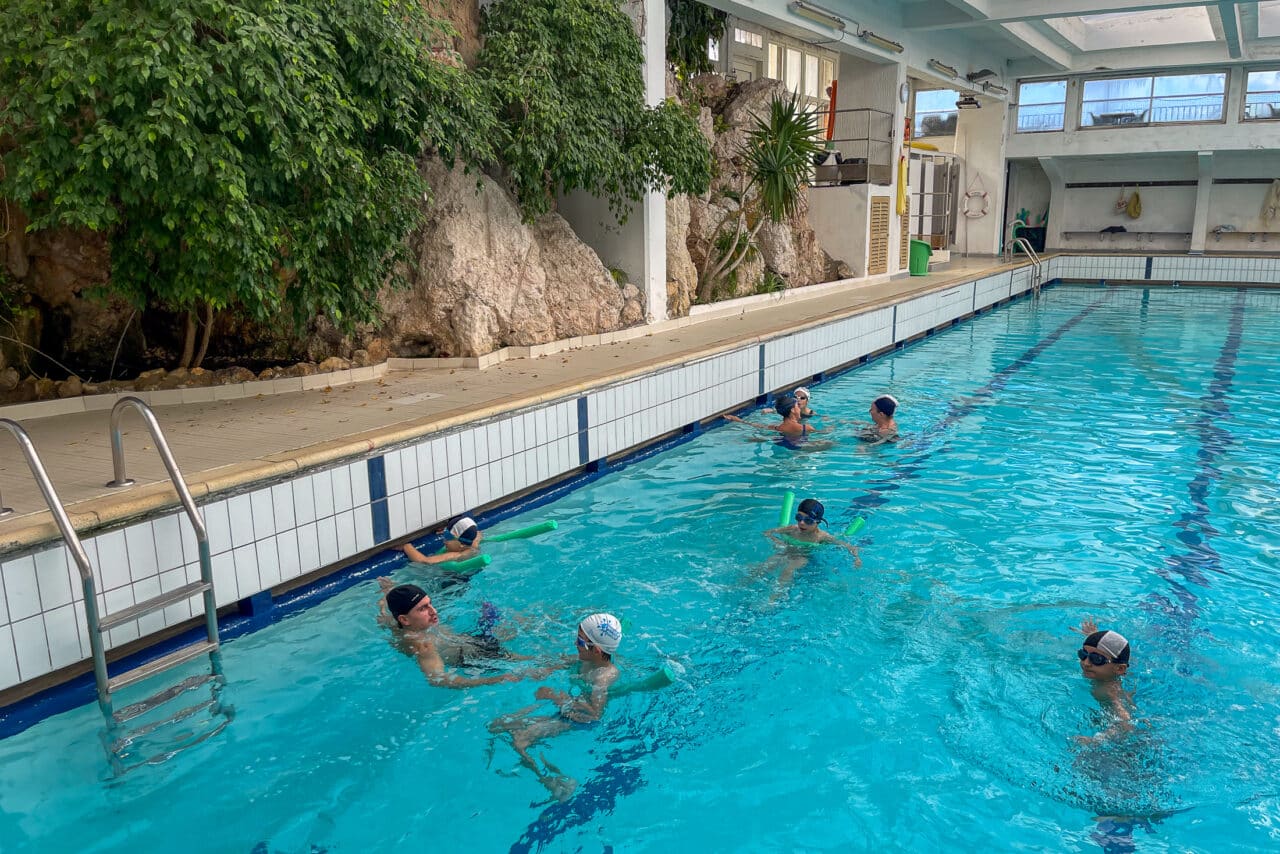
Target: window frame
[[917, 116], [1066, 88], [1152, 98], [1244, 95]]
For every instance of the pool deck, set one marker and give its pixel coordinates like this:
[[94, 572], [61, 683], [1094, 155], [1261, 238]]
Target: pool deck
[[226, 445]]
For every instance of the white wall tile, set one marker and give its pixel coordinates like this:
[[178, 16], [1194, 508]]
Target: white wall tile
[[425, 466], [141, 545], [283, 507], [397, 523], [113, 560], [412, 516], [409, 469], [248, 581], [225, 587], [304, 500], [342, 488], [264, 513], [63, 635], [240, 514], [308, 547], [167, 535], [218, 524], [287, 553], [21, 587], [178, 611], [54, 578], [148, 588], [268, 559], [327, 537], [453, 453], [8, 659], [114, 601], [346, 528], [364, 524], [394, 473], [322, 489], [31, 647], [360, 482]]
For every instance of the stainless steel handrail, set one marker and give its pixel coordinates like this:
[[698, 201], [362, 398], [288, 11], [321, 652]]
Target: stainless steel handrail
[[1037, 274], [78, 554], [1013, 234], [184, 495]]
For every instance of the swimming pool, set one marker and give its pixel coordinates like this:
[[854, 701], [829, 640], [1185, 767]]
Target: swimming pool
[[1099, 452]]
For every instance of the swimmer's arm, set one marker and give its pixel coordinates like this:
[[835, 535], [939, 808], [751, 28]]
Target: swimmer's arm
[[445, 557], [775, 534], [432, 667], [735, 419], [844, 544], [592, 708]]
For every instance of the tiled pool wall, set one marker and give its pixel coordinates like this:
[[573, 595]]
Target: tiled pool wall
[[277, 533]]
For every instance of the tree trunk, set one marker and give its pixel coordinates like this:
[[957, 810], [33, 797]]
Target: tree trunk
[[188, 341], [205, 334]]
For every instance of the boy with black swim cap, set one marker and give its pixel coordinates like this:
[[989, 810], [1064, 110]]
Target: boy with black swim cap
[[1104, 659], [417, 632]]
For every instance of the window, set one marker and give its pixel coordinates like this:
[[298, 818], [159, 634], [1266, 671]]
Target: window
[[713, 50], [1042, 105], [1262, 95], [1168, 98], [775, 62], [810, 76], [794, 69], [828, 75], [936, 113], [747, 37]]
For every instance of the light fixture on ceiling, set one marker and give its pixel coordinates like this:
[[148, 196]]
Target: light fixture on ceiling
[[981, 76], [943, 68], [967, 102], [817, 14], [995, 89], [880, 42]]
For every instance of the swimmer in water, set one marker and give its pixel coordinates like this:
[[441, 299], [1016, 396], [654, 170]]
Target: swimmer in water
[[462, 541], [598, 638], [791, 427], [802, 397], [1104, 659], [810, 515], [883, 427], [416, 631]]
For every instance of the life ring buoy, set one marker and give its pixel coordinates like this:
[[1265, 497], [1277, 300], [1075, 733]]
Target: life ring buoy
[[984, 204]]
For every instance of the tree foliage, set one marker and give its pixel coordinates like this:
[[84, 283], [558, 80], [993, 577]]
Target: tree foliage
[[254, 153], [692, 27], [777, 157], [566, 75]]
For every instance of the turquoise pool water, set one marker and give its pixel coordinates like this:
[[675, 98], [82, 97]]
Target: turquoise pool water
[[1097, 453]]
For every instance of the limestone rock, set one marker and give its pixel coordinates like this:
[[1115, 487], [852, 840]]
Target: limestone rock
[[70, 387], [484, 279], [228, 376], [682, 275], [9, 379], [46, 389], [633, 313], [148, 380], [302, 369], [333, 363]]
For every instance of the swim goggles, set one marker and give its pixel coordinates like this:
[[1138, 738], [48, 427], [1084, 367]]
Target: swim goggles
[[806, 519], [1097, 659]]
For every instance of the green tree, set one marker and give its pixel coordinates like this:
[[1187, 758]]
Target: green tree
[[692, 27], [250, 153], [777, 157], [566, 76]]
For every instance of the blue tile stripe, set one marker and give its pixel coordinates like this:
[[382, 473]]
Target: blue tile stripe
[[378, 499], [761, 371], [584, 425], [1195, 531], [1147, 275]]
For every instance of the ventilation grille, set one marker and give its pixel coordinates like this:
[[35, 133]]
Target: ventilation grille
[[878, 245], [904, 242]]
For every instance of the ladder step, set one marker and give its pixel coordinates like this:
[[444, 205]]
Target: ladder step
[[141, 707], [146, 607], [124, 742], [151, 668]]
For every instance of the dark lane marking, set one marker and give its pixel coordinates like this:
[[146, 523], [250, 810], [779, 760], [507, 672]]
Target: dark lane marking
[[1194, 529], [926, 446]]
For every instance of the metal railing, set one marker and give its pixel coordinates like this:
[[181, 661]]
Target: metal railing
[[1037, 269], [863, 139], [935, 198], [121, 481], [78, 555]]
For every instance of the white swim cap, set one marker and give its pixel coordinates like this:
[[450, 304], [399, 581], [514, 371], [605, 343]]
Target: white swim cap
[[464, 529], [603, 630], [801, 392]]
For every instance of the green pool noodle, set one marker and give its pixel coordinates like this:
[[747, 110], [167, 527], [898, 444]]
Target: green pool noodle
[[788, 501], [470, 566], [660, 678], [853, 527], [522, 533]]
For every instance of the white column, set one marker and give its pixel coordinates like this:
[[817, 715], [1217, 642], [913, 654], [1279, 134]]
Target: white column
[[653, 208], [1204, 192]]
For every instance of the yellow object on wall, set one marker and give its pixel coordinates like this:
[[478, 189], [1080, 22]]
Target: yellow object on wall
[[924, 146], [902, 185]]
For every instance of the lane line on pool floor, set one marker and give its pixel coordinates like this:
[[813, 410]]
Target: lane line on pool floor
[[1194, 529], [615, 777]]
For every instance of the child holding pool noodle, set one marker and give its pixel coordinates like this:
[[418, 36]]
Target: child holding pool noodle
[[806, 532], [461, 552]]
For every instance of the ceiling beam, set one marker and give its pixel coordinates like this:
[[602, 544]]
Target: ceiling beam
[[1231, 29], [1010, 11], [1045, 48]]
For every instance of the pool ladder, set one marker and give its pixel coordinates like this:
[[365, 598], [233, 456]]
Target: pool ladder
[[1037, 267], [118, 739]]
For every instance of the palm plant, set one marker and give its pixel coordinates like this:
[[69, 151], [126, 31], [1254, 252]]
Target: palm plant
[[776, 156]]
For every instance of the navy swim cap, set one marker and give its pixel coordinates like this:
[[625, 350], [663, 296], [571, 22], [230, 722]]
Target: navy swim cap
[[784, 405], [1112, 643], [812, 507], [887, 404]]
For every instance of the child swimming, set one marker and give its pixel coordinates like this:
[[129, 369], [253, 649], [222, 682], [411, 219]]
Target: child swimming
[[797, 541]]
